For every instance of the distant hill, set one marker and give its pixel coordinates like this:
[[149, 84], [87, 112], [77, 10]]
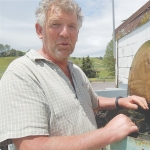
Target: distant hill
[[98, 65]]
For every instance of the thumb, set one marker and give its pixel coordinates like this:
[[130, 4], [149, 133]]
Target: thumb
[[134, 132], [133, 129]]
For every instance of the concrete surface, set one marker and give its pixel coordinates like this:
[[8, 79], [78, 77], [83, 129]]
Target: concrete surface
[[102, 85]]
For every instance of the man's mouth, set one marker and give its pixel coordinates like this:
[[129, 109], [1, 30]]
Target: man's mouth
[[65, 44]]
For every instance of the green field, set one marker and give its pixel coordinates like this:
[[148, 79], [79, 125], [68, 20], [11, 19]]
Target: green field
[[4, 62], [98, 65]]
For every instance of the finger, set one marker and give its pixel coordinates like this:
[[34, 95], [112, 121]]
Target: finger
[[133, 128], [133, 106], [144, 103], [139, 101]]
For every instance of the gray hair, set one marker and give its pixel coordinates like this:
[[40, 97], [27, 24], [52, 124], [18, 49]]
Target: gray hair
[[65, 5]]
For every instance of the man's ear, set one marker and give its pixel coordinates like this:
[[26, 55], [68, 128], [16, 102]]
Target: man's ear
[[39, 30]]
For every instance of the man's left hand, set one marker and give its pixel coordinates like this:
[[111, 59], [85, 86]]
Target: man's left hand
[[132, 102]]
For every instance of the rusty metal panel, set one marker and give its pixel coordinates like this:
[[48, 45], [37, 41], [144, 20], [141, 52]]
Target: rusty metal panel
[[139, 77], [129, 143]]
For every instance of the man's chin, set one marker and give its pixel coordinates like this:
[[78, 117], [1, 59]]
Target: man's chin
[[65, 53]]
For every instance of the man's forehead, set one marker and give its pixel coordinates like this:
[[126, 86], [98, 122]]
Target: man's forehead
[[54, 10], [57, 11], [59, 14]]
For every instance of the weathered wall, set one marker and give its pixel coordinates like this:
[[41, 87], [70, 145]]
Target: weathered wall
[[127, 48]]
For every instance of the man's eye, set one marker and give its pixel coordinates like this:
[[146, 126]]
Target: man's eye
[[56, 25], [73, 27]]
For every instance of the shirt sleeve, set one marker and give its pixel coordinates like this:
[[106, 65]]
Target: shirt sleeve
[[23, 108]]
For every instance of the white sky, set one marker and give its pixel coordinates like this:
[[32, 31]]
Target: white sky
[[17, 20]]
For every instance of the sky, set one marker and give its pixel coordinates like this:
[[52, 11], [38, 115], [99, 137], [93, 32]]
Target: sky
[[17, 24]]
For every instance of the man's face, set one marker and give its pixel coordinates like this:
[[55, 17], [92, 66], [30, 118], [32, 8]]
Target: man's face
[[60, 34]]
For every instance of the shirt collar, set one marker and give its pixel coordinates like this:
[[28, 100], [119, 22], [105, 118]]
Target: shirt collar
[[34, 56]]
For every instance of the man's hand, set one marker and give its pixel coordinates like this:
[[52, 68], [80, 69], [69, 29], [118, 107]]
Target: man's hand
[[120, 126], [132, 102]]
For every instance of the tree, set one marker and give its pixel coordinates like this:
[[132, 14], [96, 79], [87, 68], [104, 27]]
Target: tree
[[12, 52], [1, 49], [108, 59], [88, 67], [20, 53], [83, 65], [101, 58], [5, 51], [7, 48]]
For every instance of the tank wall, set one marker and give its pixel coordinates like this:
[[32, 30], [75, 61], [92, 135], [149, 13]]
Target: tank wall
[[127, 48]]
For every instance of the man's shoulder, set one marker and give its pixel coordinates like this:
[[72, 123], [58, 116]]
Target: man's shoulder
[[21, 65], [18, 63], [24, 61]]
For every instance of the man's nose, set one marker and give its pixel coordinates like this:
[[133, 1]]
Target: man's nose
[[65, 32]]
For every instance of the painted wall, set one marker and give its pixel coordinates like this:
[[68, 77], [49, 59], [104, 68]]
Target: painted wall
[[127, 48]]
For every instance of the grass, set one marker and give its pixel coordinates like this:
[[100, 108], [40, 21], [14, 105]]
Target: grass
[[4, 62], [103, 74]]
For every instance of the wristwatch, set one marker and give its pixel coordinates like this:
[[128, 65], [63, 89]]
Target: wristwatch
[[116, 101]]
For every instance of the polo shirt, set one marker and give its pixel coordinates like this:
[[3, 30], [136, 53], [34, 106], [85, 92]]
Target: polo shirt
[[37, 98]]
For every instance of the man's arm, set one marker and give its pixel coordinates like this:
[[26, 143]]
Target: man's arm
[[117, 129], [131, 102]]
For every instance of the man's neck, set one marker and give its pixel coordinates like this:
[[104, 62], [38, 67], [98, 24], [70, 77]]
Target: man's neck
[[63, 64]]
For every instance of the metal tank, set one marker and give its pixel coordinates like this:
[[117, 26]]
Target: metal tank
[[138, 84]]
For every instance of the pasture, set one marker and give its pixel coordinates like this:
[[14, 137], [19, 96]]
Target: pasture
[[103, 74], [4, 62]]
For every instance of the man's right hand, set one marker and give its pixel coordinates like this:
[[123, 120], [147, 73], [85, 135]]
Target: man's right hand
[[120, 126], [117, 129]]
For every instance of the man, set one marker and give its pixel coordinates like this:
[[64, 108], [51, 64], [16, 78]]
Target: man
[[47, 102]]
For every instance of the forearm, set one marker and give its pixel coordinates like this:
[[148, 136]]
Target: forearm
[[90, 141], [131, 102], [106, 103]]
